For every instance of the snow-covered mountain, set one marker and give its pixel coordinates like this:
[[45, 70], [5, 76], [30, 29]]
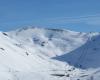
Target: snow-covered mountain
[[32, 53]]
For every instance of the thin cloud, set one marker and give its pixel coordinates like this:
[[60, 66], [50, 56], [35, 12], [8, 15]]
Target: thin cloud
[[90, 20]]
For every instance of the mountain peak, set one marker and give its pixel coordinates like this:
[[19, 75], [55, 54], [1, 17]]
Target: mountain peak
[[31, 49], [42, 28]]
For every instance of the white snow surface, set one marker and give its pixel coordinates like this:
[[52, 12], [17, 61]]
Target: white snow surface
[[49, 54]]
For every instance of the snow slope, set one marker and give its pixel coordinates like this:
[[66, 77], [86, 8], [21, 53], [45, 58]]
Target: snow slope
[[88, 55], [46, 40], [32, 53]]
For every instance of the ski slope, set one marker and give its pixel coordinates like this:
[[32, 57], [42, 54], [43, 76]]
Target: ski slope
[[32, 53]]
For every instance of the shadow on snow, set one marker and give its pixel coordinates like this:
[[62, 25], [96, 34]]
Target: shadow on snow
[[84, 57]]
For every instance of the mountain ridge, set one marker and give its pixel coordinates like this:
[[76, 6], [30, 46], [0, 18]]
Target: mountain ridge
[[27, 54]]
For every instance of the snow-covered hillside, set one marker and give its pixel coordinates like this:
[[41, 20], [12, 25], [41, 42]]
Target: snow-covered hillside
[[51, 42], [49, 54]]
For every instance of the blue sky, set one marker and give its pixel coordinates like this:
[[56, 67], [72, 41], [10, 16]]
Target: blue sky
[[78, 15]]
